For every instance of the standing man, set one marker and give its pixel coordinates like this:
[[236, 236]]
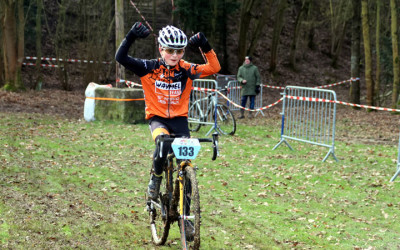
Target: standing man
[[250, 80]]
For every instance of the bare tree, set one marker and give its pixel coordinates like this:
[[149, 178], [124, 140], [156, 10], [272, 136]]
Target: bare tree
[[339, 17], [13, 40], [305, 5], [39, 77], [395, 48], [1, 45], [61, 50], [378, 52], [262, 20], [355, 51], [367, 52], [119, 36], [245, 18], [279, 21]]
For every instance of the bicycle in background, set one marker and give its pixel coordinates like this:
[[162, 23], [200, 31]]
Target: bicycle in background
[[179, 199], [207, 111]]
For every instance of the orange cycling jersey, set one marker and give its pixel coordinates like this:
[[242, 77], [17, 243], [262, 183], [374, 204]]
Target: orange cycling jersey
[[167, 89]]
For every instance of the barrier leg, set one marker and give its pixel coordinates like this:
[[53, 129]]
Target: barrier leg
[[211, 129], [396, 174], [331, 152], [283, 141], [258, 112]]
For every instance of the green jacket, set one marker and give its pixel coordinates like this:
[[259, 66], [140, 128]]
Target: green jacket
[[250, 73]]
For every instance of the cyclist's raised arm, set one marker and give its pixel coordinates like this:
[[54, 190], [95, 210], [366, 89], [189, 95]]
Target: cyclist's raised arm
[[212, 65], [138, 66]]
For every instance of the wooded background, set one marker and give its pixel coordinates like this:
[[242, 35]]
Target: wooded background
[[289, 40]]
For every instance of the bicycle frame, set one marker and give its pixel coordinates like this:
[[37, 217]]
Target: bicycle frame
[[180, 199]]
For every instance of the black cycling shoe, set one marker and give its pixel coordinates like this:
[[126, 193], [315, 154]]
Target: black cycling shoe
[[154, 187]]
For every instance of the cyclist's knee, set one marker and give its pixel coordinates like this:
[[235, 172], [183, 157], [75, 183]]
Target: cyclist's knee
[[158, 132], [158, 161]]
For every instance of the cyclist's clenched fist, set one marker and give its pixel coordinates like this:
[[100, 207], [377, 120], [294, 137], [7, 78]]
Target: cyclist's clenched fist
[[200, 40], [139, 30]]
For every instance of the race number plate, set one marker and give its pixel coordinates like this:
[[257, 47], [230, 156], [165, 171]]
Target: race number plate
[[185, 148]]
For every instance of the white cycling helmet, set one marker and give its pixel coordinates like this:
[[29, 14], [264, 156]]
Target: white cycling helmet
[[172, 37]]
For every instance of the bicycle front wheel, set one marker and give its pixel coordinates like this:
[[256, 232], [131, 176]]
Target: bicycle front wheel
[[189, 221], [158, 211], [226, 122]]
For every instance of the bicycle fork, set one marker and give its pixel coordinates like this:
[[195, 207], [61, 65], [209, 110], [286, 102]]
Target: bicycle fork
[[182, 194]]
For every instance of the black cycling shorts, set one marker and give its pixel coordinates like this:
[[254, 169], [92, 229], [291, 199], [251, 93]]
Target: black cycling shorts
[[178, 126]]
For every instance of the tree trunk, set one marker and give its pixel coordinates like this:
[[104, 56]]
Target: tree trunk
[[39, 77], [12, 64], [395, 49], [21, 33], [276, 34], [297, 26], [245, 18], [378, 53], [154, 41], [60, 46], [1, 53], [260, 26], [310, 26], [225, 62], [338, 46], [214, 20], [355, 52], [119, 36], [339, 18], [367, 52]]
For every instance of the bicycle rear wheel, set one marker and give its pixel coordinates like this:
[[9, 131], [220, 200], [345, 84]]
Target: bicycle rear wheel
[[194, 117], [158, 211], [189, 223], [226, 122]]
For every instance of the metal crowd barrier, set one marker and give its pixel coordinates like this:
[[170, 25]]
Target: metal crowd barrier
[[224, 79], [398, 164], [309, 116], [200, 98], [234, 94]]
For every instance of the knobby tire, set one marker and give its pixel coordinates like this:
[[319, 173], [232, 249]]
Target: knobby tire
[[160, 222], [190, 182]]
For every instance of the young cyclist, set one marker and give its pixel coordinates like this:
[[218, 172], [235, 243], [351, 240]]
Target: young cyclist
[[167, 83]]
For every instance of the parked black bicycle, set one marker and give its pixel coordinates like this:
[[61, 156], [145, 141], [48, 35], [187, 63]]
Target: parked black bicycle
[[208, 111]]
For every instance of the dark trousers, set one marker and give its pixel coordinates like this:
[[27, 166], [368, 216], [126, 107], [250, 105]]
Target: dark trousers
[[252, 101]]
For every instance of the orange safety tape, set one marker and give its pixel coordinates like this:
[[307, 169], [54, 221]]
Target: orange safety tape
[[115, 99]]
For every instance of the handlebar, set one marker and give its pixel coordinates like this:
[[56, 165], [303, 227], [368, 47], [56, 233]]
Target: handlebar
[[163, 138]]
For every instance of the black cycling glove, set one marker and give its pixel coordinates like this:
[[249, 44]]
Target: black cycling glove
[[200, 40], [138, 30]]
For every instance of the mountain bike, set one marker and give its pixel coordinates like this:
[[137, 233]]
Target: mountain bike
[[179, 199], [207, 111]]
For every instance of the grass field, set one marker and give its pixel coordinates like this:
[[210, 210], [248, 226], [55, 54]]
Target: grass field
[[72, 184]]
